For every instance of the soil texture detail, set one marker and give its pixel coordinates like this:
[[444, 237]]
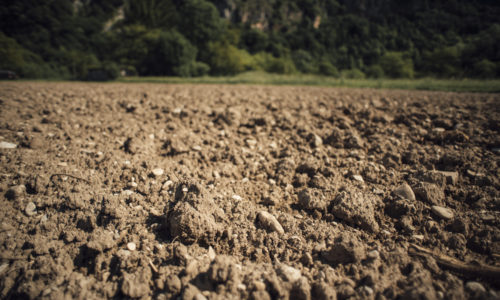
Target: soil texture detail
[[150, 191]]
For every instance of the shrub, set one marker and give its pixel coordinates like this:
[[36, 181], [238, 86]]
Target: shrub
[[226, 59], [395, 65], [353, 74], [374, 71], [173, 54], [326, 68], [111, 69], [304, 62], [484, 69], [267, 62]]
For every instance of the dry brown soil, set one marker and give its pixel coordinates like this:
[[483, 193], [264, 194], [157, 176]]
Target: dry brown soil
[[208, 191]]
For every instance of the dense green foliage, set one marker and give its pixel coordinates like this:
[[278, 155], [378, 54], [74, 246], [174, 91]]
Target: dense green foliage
[[337, 38]]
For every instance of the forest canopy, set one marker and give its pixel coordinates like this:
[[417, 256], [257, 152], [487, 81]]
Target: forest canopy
[[357, 39]]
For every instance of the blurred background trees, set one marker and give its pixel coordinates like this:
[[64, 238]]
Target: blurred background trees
[[354, 39]]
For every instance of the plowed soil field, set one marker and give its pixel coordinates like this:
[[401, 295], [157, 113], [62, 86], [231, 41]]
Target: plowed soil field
[[223, 192]]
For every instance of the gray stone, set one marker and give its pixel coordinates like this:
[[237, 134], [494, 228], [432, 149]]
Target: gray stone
[[442, 212], [404, 191]]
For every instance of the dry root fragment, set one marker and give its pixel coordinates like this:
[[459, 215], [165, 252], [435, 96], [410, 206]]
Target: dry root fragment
[[450, 263]]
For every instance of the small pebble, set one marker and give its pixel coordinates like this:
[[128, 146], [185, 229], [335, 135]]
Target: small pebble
[[30, 209], [237, 197], [358, 178], [475, 287], [131, 246], [269, 222], [442, 212], [373, 254], [405, 192], [158, 172]]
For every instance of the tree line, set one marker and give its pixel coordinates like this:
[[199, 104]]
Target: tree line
[[352, 39]]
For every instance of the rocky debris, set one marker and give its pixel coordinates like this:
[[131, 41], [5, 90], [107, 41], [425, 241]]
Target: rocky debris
[[312, 199], [442, 212], [269, 222], [404, 191], [356, 209], [345, 250], [15, 192]]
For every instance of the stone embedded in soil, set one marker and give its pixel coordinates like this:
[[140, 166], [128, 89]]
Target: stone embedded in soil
[[269, 222], [442, 212], [356, 209], [30, 209], [15, 192], [404, 191]]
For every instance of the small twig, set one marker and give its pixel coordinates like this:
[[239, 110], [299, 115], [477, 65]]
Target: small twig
[[456, 265], [152, 265], [72, 176]]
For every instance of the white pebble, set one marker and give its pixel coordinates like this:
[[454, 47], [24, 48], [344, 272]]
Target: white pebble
[[7, 145], [237, 197], [158, 172], [131, 246], [30, 209]]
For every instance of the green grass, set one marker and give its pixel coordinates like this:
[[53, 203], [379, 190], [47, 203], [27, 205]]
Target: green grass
[[430, 84]]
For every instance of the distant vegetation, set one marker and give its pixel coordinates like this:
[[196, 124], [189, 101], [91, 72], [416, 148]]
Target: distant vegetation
[[336, 38]]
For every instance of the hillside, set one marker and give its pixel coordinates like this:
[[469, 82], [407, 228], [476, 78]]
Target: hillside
[[384, 38]]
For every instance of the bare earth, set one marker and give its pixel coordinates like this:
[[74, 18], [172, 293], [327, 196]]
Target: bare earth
[[206, 191]]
